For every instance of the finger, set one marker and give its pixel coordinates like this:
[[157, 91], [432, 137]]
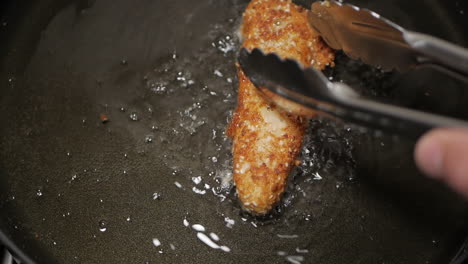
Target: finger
[[443, 154]]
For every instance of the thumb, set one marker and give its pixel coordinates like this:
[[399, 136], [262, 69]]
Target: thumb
[[443, 154]]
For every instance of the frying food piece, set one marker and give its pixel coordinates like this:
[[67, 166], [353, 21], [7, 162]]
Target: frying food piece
[[266, 139]]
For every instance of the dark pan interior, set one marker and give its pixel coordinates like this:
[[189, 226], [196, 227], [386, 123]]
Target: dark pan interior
[[75, 189]]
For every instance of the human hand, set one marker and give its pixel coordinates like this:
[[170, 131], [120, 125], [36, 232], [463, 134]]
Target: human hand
[[443, 154]]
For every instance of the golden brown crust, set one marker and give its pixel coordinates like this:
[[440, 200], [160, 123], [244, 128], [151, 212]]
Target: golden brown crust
[[267, 140], [282, 27]]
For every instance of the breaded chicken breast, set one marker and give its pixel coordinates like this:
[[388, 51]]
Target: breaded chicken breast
[[266, 139]]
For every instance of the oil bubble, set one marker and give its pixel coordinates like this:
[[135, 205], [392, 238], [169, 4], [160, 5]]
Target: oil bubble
[[103, 225]]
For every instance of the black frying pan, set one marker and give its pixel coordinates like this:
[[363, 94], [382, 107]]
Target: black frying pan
[[77, 189]]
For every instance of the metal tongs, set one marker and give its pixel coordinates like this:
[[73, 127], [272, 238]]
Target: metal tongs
[[361, 34]]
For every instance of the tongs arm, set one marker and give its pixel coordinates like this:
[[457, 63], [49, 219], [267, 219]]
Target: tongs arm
[[400, 120], [364, 34], [310, 88], [442, 54]]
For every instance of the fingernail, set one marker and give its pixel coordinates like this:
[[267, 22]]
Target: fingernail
[[429, 157]]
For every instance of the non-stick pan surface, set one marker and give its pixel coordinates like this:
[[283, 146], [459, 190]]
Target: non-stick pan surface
[[75, 188]]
